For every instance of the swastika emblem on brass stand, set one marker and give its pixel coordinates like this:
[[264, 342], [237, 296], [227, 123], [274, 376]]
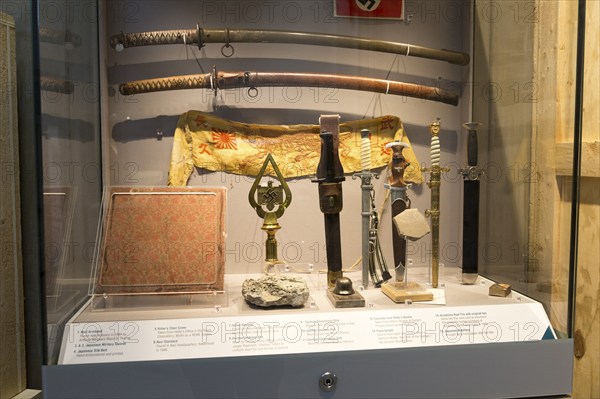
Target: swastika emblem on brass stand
[[270, 202]]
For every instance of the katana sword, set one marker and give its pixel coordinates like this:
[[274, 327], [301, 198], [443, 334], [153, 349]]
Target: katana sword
[[200, 36], [330, 175], [251, 80], [400, 202], [471, 175]]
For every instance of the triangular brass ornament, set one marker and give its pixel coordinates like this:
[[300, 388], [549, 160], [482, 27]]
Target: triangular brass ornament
[[270, 202]]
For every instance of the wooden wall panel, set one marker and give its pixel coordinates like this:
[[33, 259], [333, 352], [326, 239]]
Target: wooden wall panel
[[12, 349], [590, 153], [552, 153], [557, 32], [552, 115], [586, 383]]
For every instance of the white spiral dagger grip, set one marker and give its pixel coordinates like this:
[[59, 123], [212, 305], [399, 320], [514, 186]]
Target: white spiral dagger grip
[[435, 151], [365, 150]]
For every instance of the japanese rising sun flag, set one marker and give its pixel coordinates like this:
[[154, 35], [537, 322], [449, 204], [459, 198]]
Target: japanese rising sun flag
[[205, 141]]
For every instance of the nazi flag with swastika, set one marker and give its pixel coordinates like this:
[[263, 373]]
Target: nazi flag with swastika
[[388, 9]]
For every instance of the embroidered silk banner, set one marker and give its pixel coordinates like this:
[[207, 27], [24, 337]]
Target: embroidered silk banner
[[162, 240], [209, 142]]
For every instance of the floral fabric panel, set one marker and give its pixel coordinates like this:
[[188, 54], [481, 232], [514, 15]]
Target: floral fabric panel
[[209, 142], [163, 240]]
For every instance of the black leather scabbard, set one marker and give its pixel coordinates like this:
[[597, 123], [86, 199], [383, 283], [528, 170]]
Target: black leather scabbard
[[470, 248], [333, 242], [330, 175]]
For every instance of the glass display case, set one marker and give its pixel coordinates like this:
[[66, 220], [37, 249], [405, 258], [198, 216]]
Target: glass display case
[[305, 198]]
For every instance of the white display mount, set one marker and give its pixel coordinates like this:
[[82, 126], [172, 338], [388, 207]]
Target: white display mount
[[469, 317]]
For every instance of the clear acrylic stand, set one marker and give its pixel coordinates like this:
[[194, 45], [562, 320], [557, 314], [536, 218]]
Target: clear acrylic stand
[[207, 299], [148, 256]]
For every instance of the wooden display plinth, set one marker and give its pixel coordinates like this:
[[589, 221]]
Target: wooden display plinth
[[401, 292]]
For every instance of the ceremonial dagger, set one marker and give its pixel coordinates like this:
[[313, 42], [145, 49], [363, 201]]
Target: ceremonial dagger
[[471, 175], [435, 174], [366, 186], [252, 80], [201, 36], [373, 262], [400, 202], [330, 175]]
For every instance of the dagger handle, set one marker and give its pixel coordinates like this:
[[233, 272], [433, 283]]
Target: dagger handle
[[365, 150], [327, 170], [435, 151]]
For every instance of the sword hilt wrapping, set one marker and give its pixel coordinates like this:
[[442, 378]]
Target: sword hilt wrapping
[[367, 189], [435, 151]]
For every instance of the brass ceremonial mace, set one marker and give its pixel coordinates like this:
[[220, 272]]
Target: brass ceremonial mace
[[270, 197], [435, 174]]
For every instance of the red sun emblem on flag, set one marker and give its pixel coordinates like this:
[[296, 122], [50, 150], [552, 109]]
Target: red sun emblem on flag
[[385, 151], [224, 140]]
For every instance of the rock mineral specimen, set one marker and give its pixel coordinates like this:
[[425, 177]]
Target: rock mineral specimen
[[275, 290]]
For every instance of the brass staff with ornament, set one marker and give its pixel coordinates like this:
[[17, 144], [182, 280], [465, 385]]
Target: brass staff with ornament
[[270, 202]]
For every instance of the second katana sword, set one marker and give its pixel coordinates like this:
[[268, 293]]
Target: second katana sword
[[218, 80]]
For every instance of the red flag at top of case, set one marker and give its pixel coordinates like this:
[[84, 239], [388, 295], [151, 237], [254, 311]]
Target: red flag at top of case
[[390, 9]]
